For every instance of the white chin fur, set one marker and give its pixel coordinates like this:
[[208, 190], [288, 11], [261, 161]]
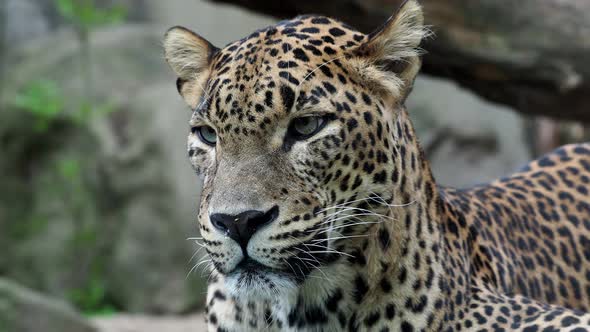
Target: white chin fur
[[261, 287]]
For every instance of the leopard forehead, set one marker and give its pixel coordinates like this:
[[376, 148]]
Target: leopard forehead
[[266, 73], [304, 41]]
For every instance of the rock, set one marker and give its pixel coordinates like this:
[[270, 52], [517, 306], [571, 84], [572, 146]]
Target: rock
[[143, 323], [150, 267], [467, 140], [34, 19], [101, 209], [25, 20], [22, 310]]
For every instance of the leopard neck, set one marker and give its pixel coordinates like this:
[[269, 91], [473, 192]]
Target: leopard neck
[[403, 276]]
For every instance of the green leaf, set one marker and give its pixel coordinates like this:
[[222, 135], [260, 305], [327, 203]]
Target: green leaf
[[66, 8], [91, 298], [42, 98], [87, 14], [85, 110], [105, 109], [115, 15], [69, 168], [105, 310]]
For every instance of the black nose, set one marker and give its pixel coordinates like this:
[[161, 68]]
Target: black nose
[[242, 226]]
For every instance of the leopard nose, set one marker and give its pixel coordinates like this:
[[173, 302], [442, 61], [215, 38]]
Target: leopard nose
[[241, 227]]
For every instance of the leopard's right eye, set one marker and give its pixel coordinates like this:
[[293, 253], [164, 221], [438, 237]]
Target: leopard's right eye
[[305, 127], [206, 134]]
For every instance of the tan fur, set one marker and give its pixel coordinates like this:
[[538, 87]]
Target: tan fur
[[189, 55], [398, 41]]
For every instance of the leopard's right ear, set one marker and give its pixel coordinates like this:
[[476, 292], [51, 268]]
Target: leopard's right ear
[[190, 56]]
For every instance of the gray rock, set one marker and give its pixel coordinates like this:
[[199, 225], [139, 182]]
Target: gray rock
[[143, 323], [22, 310], [25, 20], [466, 139], [150, 268], [121, 224]]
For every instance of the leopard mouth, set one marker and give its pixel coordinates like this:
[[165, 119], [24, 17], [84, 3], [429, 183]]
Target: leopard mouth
[[249, 270], [298, 267], [250, 266], [251, 276], [254, 281]]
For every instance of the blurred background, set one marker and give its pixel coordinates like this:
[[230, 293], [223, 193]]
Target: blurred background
[[97, 199]]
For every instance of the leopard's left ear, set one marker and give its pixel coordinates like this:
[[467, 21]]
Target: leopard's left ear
[[389, 58], [190, 56]]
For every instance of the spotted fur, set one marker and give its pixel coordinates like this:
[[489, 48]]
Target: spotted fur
[[364, 239]]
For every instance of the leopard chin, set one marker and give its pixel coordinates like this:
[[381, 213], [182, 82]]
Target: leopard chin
[[256, 282]]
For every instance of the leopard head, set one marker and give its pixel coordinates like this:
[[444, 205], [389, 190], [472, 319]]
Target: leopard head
[[293, 131]]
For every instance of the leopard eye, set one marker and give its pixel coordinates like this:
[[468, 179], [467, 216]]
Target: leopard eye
[[206, 134], [305, 127]]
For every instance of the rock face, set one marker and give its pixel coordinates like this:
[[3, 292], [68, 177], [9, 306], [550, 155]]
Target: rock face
[[467, 141], [22, 310], [150, 265], [99, 210], [26, 20], [142, 323], [32, 19]]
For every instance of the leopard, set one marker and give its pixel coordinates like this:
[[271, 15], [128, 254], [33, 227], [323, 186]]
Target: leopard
[[319, 210]]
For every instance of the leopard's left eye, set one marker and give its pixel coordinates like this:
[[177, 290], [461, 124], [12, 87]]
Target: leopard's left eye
[[305, 127], [206, 134]]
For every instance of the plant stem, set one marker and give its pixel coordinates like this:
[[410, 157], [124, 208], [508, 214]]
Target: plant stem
[[86, 64], [3, 55]]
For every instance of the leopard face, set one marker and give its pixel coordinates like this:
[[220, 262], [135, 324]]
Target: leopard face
[[292, 130]]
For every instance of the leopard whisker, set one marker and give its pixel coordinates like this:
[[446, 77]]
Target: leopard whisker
[[206, 269], [384, 202], [313, 266], [347, 203], [380, 216], [344, 237], [196, 253], [339, 216], [196, 266], [353, 224], [324, 252], [290, 266], [317, 68], [353, 218]]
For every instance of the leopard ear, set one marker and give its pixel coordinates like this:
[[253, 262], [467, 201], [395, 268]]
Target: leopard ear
[[389, 59], [189, 55]]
